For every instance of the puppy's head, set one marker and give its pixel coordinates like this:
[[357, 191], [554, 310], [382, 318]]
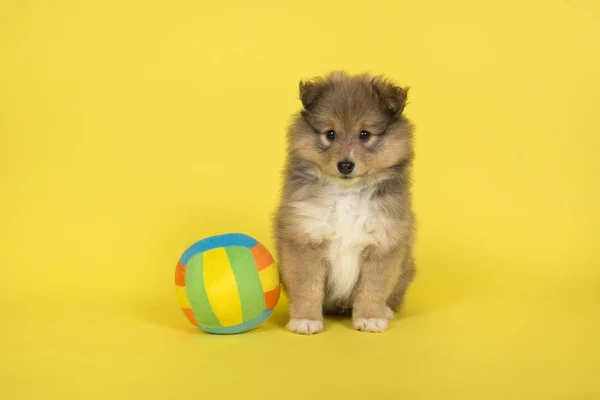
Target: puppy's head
[[352, 127]]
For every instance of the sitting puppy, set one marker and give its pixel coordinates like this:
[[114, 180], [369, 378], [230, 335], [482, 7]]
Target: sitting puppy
[[344, 228]]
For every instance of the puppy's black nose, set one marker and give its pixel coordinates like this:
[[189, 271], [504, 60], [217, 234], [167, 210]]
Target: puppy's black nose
[[345, 167]]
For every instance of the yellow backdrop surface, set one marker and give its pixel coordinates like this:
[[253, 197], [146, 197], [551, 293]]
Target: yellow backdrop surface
[[131, 129]]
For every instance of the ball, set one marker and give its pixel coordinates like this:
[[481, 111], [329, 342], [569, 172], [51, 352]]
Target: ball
[[227, 284]]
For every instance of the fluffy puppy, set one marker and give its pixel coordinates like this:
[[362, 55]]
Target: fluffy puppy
[[344, 228]]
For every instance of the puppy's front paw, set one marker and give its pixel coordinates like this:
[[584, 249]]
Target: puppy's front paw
[[370, 324], [305, 326]]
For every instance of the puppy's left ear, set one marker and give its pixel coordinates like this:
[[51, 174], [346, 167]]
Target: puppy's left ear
[[310, 91], [391, 96]]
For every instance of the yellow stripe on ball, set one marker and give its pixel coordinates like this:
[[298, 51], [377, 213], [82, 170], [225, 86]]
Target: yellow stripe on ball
[[269, 278], [221, 287], [182, 297]]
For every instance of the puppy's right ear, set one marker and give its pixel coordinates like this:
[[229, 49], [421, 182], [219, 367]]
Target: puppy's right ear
[[310, 91], [391, 96]]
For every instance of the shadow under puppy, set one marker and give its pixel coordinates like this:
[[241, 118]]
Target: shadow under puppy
[[344, 228]]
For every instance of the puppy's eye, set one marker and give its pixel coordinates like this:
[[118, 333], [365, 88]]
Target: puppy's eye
[[330, 135], [364, 136]]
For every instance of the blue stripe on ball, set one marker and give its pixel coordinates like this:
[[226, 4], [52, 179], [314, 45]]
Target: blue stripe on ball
[[243, 327], [213, 242]]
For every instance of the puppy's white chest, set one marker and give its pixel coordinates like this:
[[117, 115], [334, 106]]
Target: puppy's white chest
[[349, 219], [351, 233], [344, 220]]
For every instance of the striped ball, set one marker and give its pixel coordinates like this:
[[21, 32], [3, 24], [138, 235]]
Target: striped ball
[[227, 284]]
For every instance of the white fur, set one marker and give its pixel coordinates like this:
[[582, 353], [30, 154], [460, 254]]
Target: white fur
[[370, 324], [389, 313], [344, 218], [349, 220], [305, 326]]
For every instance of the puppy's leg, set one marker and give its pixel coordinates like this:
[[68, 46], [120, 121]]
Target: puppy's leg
[[303, 274], [396, 299], [389, 313], [378, 275]]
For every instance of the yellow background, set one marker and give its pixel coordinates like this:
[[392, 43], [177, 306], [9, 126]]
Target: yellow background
[[131, 129]]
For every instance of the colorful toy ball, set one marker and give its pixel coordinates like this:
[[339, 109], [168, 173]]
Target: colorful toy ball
[[227, 284]]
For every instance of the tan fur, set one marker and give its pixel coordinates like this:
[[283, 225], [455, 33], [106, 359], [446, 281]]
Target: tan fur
[[345, 241]]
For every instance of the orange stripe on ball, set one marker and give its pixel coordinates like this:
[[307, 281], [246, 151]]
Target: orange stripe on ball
[[271, 298], [189, 314], [262, 257], [180, 274]]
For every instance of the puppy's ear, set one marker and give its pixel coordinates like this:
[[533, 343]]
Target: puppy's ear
[[390, 95], [310, 91]]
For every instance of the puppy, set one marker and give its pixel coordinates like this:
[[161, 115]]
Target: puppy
[[344, 228]]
